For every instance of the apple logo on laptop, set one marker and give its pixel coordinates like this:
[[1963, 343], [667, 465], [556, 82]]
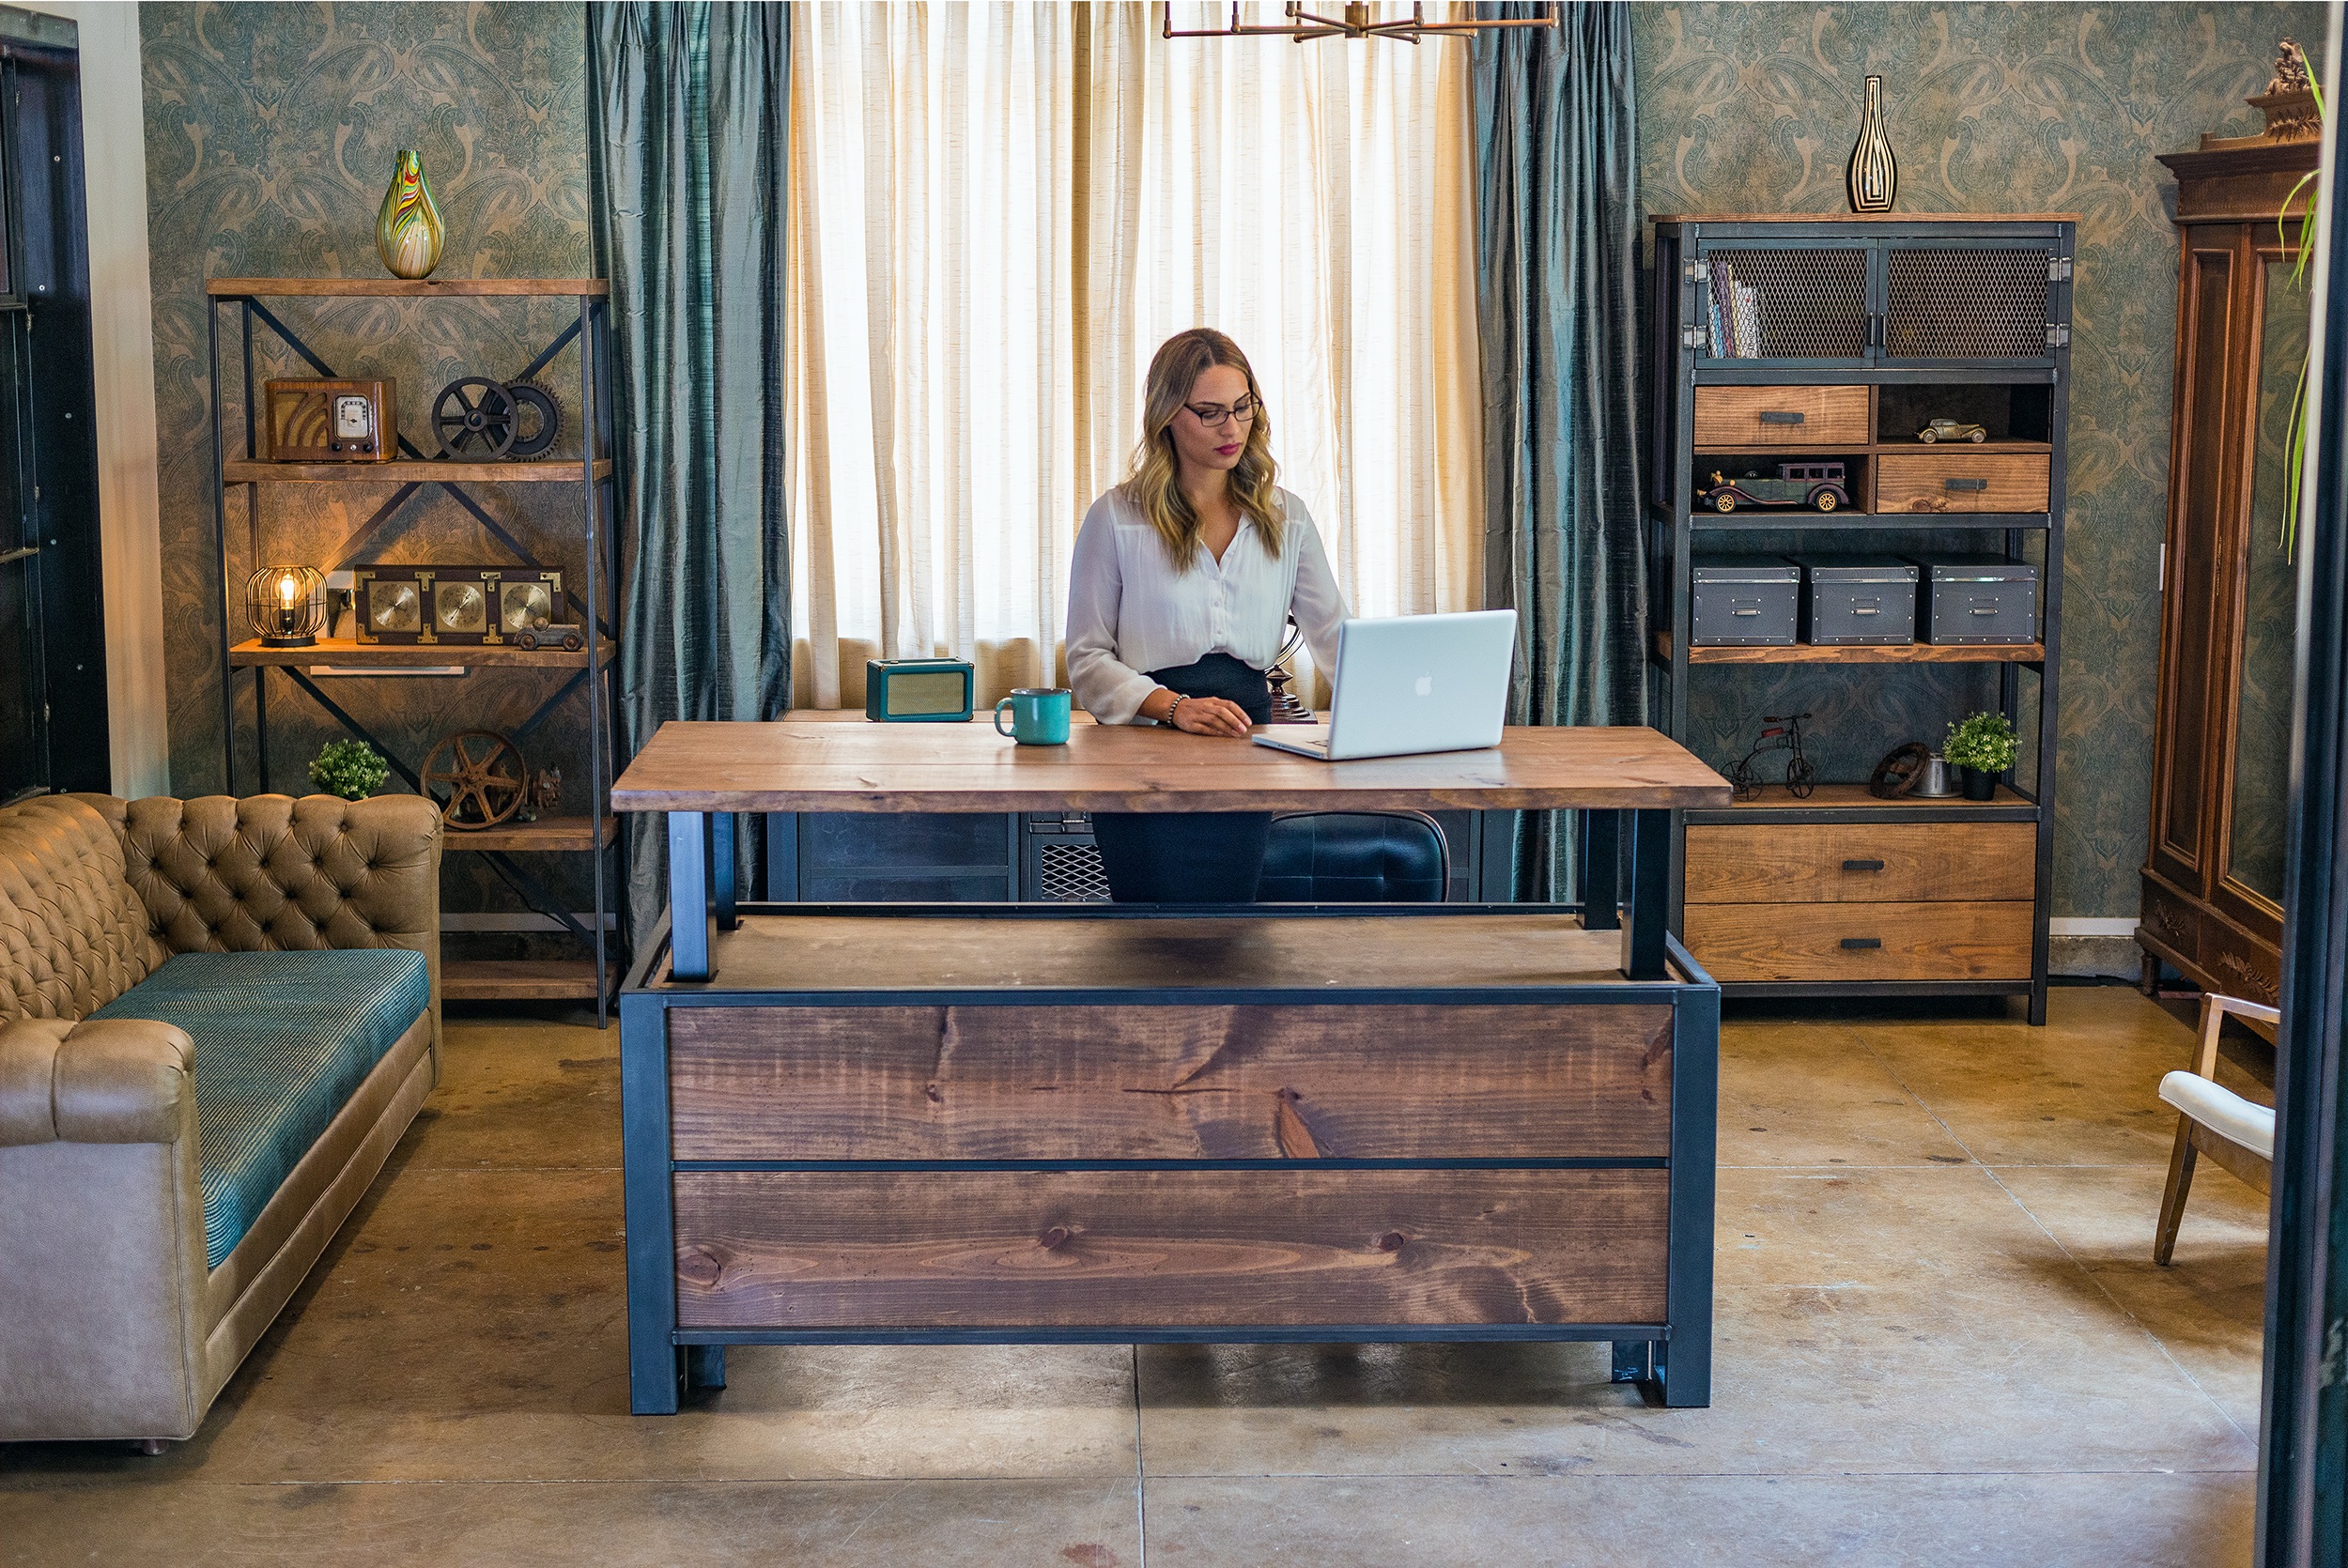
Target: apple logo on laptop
[[1426, 687]]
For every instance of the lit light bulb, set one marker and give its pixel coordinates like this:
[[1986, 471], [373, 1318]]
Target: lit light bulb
[[288, 621], [288, 586]]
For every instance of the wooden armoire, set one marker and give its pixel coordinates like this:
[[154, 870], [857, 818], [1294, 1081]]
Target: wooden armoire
[[2212, 880]]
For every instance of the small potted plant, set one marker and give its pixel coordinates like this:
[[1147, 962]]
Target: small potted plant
[[349, 769], [1980, 747]]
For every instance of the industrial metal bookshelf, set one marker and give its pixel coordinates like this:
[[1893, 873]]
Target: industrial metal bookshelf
[[1830, 337], [591, 668]]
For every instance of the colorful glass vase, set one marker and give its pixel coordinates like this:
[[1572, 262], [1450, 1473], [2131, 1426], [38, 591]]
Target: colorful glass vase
[[1873, 177], [408, 226]]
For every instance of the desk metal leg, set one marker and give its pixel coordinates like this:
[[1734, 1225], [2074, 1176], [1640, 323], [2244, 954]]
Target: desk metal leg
[[728, 896], [691, 919], [1684, 1363], [1650, 896], [705, 1367], [1601, 871], [656, 1368]]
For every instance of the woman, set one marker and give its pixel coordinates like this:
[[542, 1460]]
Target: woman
[[1183, 582]]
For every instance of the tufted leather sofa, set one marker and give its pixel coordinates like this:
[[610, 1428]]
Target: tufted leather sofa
[[112, 1322]]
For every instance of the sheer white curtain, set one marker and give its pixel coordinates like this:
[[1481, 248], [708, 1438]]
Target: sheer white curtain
[[1000, 211]]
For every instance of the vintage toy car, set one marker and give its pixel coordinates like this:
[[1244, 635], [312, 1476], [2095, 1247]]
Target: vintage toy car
[[1817, 484], [1951, 430]]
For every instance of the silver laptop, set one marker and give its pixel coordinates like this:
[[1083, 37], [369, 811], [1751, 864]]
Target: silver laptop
[[1411, 683]]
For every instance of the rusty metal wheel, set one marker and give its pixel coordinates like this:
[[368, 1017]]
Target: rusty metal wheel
[[477, 777]]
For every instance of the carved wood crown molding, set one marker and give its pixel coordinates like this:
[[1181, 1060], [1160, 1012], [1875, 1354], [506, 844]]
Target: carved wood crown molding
[[2288, 103]]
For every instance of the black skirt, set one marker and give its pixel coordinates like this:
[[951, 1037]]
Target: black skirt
[[1199, 857]]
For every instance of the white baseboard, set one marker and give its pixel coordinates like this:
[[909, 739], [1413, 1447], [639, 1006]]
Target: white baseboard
[[2092, 925]]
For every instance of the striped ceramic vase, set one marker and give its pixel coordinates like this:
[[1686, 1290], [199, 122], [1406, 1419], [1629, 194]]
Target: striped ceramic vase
[[408, 226], [1873, 179]]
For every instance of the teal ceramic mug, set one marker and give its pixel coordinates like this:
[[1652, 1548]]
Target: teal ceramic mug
[[1039, 715]]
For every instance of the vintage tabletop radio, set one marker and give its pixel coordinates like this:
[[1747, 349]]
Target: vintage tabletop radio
[[920, 691], [333, 422]]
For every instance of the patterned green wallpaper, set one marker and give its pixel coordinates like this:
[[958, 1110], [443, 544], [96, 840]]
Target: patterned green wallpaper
[[271, 132], [1995, 108]]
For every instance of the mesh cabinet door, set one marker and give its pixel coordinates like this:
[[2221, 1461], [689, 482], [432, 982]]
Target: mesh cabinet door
[[1793, 303], [1968, 303]]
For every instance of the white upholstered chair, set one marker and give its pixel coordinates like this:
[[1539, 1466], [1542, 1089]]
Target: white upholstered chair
[[2238, 1133]]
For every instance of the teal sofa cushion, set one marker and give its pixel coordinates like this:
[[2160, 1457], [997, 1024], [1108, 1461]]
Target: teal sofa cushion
[[282, 1041]]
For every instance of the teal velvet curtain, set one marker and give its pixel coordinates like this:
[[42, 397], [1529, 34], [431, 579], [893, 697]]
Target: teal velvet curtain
[[687, 136], [1558, 242]]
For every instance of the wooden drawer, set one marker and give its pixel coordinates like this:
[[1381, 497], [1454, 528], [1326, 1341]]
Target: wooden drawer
[[2240, 963], [1170, 1082], [1907, 863], [1961, 481], [983, 1249], [1888, 942], [1781, 416], [2171, 920]]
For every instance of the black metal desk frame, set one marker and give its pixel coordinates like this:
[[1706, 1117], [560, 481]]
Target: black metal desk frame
[[1672, 1360]]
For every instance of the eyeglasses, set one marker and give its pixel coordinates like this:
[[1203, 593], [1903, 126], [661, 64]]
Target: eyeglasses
[[1214, 416]]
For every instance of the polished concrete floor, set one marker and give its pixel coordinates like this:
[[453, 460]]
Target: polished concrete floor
[[1942, 1340]]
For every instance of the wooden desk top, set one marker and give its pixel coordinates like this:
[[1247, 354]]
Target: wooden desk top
[[817, 765]]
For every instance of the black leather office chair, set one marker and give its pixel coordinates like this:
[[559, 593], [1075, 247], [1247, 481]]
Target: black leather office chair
[[1332, 857]]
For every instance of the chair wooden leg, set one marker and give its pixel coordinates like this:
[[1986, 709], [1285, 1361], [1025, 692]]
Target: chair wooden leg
[[2172, 1201]]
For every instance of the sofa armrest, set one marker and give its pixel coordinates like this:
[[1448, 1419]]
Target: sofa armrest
[[104, 1080], [266, 873]]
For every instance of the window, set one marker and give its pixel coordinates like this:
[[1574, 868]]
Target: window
[[998, 212]]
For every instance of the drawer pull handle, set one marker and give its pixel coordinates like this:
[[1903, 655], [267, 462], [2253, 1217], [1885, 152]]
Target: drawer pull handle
[[1965, 485], [1781, 416], [1991, 610], [1862, 865], [1853, 943], [1744, 612]]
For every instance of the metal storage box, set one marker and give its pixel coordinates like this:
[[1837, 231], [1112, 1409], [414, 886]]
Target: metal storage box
[[1979, 599], [1867, 600], [1742, 601]]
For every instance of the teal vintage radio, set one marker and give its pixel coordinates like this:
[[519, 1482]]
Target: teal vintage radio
[[919, 691]]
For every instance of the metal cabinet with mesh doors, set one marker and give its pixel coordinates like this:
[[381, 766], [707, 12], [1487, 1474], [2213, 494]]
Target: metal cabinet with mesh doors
[[1810, 340]]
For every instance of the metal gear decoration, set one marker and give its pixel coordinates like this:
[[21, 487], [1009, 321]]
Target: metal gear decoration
[[474, 417], [538, 421], [483, 775]]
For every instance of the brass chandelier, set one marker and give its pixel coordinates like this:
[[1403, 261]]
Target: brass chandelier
[[1357, 23]]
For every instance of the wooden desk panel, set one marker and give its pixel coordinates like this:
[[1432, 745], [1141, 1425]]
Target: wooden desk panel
[[1006, 1081], [1069, 1249], [968, 767], [991, 949]]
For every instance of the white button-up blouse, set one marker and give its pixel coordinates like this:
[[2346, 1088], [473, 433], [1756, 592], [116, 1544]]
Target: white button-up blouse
[[1131, 611]]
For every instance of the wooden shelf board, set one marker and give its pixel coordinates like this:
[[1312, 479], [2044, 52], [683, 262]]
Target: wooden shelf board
[[409, 470], [1745, 517], [1842, 797], [1914, 652], [408, 656], [1789, 219], [1817, 452], [404, 289], [521, 980], [546, 834]]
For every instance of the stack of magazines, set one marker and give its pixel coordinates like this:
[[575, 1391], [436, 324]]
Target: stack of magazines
[[1736, 310]]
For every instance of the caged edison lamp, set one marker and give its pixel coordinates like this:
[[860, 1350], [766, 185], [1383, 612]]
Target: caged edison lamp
[[286, 606]]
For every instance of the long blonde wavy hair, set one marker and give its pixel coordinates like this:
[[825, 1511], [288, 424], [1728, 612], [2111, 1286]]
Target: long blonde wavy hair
[[1151, 486]]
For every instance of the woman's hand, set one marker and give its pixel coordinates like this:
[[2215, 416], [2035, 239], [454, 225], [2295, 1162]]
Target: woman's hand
[[1209, 716]]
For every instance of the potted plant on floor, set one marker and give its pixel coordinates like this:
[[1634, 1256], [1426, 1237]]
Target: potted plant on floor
[[1981, 746]]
